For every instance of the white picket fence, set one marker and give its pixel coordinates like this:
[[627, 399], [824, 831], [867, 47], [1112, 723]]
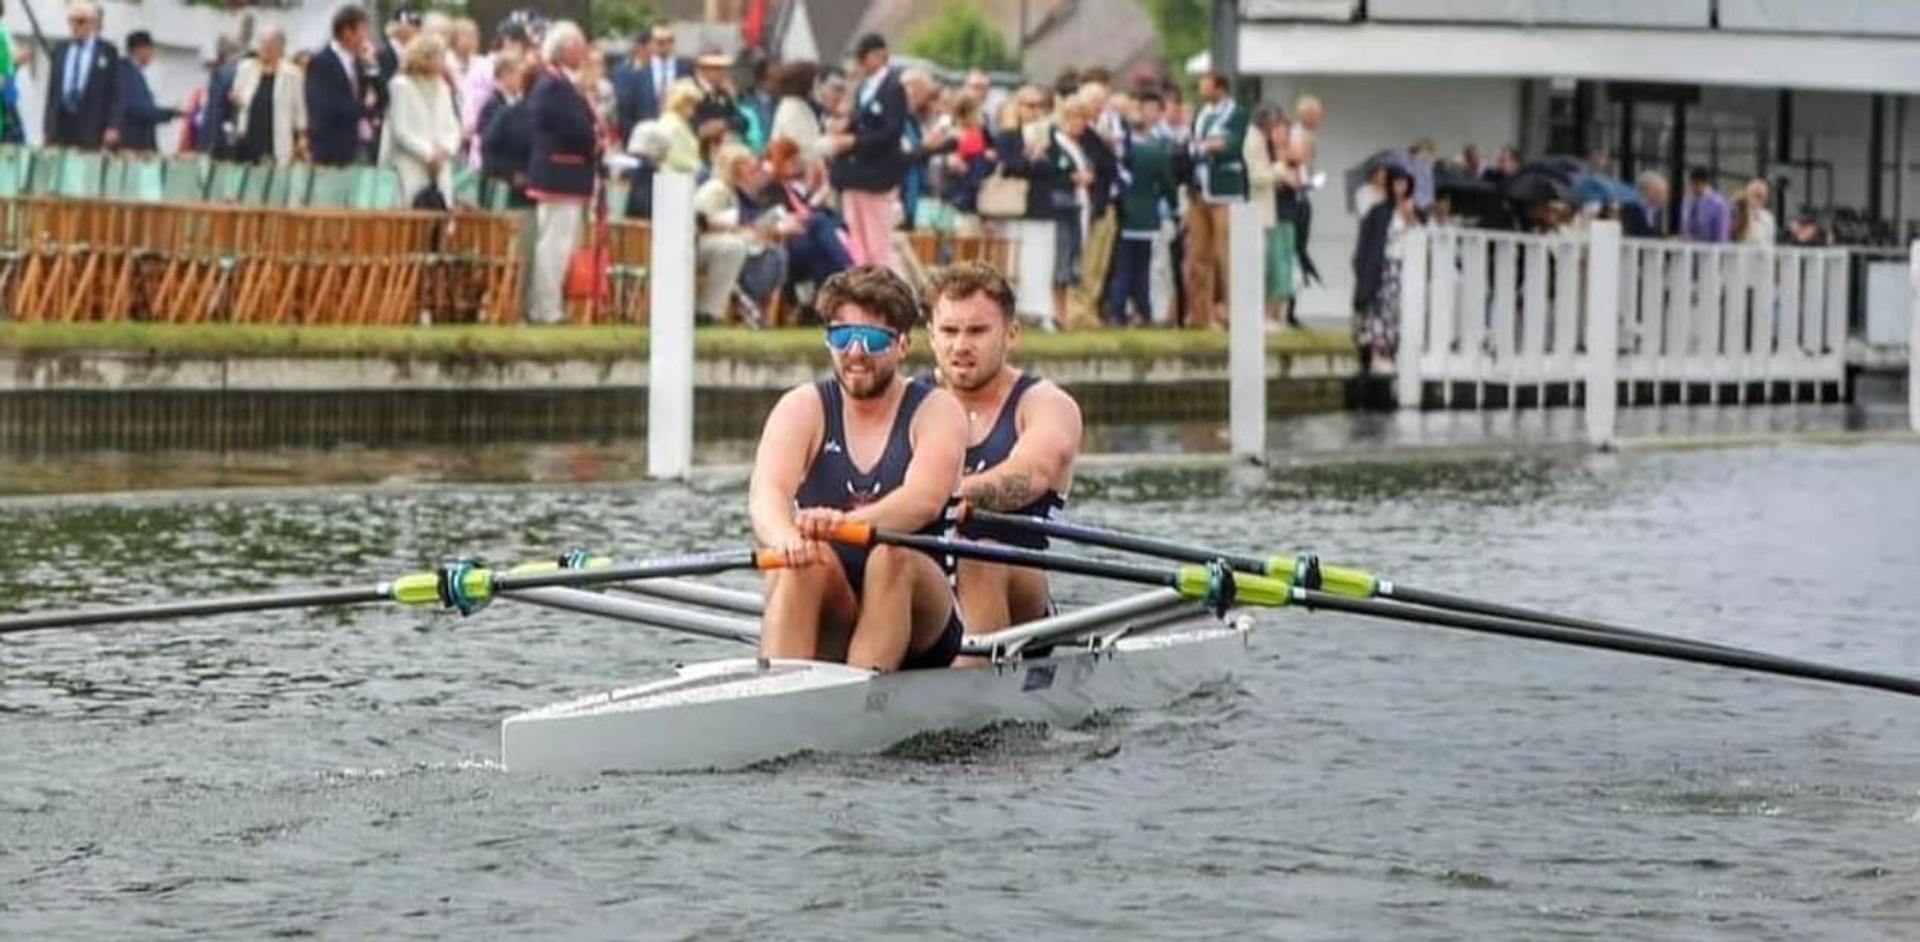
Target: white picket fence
[[1505, 320]]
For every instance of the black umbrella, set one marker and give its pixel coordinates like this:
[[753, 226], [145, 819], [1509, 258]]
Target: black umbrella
[[1468, 194], [1541, 182], [1358, 173]]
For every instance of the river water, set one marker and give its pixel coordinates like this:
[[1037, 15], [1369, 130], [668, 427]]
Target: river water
[[331, 774]]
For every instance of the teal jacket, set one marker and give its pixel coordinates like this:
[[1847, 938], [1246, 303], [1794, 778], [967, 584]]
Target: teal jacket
[[1149, 164], [1225, 172]]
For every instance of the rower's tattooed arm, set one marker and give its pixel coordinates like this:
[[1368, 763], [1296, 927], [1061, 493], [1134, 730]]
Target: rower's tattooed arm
[[1042, 459], [1011, 490]]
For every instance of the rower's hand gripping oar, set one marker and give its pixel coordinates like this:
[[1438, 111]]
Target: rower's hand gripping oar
[[1340, 590], [1214, 585], [461, 585]]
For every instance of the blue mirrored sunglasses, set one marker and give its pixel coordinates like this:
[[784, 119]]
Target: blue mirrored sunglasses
[[873, 340]]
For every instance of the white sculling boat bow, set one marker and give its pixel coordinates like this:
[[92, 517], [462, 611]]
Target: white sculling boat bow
[[1141, 651]]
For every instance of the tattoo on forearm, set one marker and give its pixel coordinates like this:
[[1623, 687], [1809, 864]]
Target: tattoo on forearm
[[1008, 492]]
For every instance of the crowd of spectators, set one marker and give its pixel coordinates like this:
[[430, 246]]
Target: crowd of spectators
[[1398, 190], [807, 169], [801, 168]]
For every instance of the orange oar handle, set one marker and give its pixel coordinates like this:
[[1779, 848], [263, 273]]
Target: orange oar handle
[[852, 533]]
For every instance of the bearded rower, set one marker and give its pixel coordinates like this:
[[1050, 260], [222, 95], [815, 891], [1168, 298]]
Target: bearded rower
[[866, 446], [1025, 434]]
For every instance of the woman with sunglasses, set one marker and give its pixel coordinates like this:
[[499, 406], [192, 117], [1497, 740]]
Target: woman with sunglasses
[[863, 445]]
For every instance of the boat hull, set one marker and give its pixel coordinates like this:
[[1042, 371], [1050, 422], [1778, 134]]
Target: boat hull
[[738, 712]]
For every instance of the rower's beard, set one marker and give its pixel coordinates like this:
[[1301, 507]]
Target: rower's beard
[[869, 385]]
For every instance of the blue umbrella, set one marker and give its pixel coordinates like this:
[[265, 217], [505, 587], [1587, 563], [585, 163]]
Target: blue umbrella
[[1605, 190]]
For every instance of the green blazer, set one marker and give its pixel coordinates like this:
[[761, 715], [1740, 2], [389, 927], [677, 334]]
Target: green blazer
[[1150, 166], [1226, 171]]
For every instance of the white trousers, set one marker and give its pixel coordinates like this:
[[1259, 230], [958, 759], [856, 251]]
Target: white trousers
[[1033, 268], [557, 225], [1160, 276]]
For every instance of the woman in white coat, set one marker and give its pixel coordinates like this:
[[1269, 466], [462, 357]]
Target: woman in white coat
[[269, 105], [422, 132]]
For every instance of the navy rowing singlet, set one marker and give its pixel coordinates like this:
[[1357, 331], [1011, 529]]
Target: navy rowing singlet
[[994, 449], [833, 481]]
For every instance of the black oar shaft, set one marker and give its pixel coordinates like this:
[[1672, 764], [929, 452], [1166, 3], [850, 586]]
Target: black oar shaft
[[668, 567], [414, 588], [1126, 542], [1643, 643], [1032, 559], [1460, 603], [242, 603]]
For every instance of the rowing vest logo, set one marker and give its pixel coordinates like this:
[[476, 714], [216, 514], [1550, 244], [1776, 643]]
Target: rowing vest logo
[[860, 496], [832, 447]]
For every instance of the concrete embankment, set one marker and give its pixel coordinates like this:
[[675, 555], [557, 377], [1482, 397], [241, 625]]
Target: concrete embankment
[[57, 399]]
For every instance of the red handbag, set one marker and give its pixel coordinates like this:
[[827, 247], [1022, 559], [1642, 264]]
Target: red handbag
[[587, 269]]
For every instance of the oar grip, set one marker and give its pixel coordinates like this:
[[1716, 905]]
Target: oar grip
[[852, 533], [766, 559], [417, 588], [1334, 580], [1221, 588], [1264, 591]]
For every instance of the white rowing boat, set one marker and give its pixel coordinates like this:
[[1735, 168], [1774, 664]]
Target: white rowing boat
[[1137, 652]]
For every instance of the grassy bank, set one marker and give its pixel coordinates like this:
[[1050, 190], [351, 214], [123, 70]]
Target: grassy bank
[[210, 340]]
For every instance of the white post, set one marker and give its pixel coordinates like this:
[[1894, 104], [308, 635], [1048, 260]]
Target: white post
[[1603, 330], [1246, 332], [1033, 269], [670, 285], [1413, 318], [1913, 337]]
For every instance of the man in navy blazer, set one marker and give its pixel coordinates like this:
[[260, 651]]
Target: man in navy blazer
[[140, 115], [560, 167], [342, 94], [83, 90], [870, 162], [640, 84]]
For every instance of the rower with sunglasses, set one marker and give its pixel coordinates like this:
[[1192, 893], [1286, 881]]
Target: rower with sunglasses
[[1025, 437], [864, 445]]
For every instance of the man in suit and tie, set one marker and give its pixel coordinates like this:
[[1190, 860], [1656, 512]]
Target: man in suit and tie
[[342, 94], [640, 84], [83, 92]]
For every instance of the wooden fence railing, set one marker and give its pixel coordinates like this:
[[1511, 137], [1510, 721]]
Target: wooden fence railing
[[89, 259]]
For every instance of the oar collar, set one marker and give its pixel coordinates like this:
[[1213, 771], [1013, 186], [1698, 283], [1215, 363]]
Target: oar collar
[[465, 585]]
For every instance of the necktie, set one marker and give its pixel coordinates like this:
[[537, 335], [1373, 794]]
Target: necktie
[[76, 70]]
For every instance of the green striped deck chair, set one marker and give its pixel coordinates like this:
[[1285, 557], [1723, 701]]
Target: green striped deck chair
[[495, 196], [332, 188], [16, 163], [136, 179], [81, 174], [376, 188], [229, 182], [466, 186], [257, 188], [184, 179], [45, 179], [291, 185], [617, 191]]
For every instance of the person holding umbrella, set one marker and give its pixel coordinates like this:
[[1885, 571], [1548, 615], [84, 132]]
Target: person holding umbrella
[[1376, 267]]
